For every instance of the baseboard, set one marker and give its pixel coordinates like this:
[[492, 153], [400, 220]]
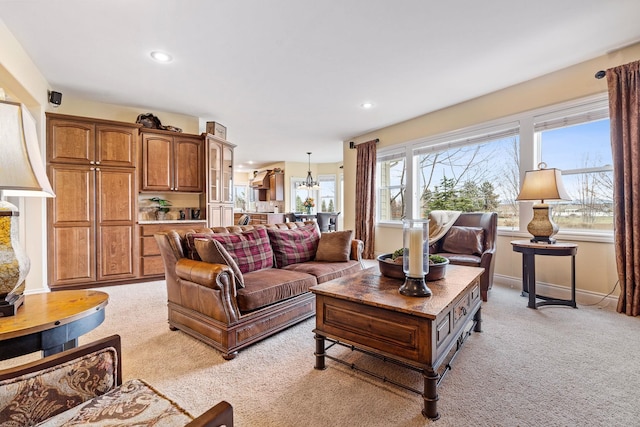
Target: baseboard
[[555, 291]]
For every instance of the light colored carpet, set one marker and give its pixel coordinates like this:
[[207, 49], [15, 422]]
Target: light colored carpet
[[555, 366]]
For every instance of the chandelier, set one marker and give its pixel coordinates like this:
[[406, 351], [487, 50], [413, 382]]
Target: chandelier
[[309, 183]]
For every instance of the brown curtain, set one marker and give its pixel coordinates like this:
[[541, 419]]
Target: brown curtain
[[624, 113], [366, 196]]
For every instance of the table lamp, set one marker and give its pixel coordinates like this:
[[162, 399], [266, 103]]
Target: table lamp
[[21, 174], [542, 184]]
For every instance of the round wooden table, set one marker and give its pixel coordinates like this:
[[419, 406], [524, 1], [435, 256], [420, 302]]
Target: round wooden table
[[51, 322]]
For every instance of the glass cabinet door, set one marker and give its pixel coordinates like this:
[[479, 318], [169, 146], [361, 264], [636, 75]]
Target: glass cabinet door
[[214, 171], [227, 174]]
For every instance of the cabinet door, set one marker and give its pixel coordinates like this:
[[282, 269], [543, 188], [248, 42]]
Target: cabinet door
[[227, 174], [214, 219], [276, 187], [70, 141], [227, 215], [157, 163], [214, 162], [116, 146], [115, 223], [188, 164], [72, 231]]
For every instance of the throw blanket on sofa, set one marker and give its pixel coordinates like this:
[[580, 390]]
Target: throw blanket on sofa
[[440, 222]]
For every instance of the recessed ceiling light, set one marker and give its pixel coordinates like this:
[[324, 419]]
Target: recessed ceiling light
[[161, 56], [366, 105]]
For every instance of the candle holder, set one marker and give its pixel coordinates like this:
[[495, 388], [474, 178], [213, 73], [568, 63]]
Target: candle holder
[[415, 259]]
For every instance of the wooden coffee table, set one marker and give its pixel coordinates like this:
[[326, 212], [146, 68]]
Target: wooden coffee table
[[51, 322], [366, 311]]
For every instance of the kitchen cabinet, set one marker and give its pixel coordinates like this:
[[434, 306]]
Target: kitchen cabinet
[[171, 162], [276, 186], [219, 192], [91, 222], [151, 264], [262, 218]]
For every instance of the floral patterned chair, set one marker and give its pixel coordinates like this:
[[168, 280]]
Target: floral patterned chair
[[83, 386]]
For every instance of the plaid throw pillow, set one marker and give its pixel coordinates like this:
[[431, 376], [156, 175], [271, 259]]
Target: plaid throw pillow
[[291, 246], [250, 249]]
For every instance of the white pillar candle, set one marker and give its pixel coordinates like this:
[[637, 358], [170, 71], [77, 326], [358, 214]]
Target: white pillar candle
[[415, 252]]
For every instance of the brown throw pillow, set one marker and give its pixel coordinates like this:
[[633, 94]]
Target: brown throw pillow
[[212, 251], [464, 240], [334, 246]]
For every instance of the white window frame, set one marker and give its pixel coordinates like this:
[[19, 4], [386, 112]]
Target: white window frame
[[529, 157]]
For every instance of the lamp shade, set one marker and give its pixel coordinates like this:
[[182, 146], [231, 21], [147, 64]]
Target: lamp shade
[[543, 184], [21, 169]]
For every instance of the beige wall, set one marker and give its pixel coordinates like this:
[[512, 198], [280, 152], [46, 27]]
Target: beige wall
[[82, 107], [595, 263], [23, 82]]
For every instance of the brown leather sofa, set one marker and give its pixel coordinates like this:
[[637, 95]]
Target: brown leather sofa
[[204, 301], [472, 241]]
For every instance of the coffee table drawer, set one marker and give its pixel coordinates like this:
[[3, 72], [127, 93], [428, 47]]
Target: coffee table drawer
[[374, 328], [462, 308]]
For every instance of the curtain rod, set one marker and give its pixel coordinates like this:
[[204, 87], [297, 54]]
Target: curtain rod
[[600, 74], [352, 144]]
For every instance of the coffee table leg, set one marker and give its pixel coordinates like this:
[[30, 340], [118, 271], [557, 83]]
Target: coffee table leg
[[319, 352], [478, 319], [430, 394]]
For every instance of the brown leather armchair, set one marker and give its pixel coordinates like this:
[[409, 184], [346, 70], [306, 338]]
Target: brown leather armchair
[[472, 241]]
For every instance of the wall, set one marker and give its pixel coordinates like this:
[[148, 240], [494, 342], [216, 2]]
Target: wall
[[82, 107], [23, 82], [571, 83]]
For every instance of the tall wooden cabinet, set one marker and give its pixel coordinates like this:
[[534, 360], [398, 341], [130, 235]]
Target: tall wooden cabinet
[[92, 220], [219, 192], [171, 162]]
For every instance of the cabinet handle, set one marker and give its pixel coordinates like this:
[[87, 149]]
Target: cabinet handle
[[464, 311], [92, 169], [92, 162], [97, 163], [97, 169]]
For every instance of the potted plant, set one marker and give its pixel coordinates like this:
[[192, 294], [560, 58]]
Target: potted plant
[[391, 265], [162, 207]]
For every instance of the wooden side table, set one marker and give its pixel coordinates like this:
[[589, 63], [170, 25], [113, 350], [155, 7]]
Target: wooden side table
[[51, 322], [529, 250]]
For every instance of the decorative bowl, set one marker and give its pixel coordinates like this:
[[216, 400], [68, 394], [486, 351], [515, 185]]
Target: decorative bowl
[[392, 269]]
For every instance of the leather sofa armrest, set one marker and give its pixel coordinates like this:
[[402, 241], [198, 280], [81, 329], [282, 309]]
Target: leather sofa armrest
[[218, 278]]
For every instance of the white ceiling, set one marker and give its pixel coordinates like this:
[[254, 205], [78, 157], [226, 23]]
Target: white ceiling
[[289, 76]]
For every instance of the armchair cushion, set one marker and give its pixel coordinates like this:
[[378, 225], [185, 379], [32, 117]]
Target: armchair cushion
[[134, 403], [292, 246], [464, 240], [334, 247], [212, 251], [36, 396]]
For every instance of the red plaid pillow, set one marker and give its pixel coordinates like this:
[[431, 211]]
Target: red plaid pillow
[[250, 249], [291, 246]]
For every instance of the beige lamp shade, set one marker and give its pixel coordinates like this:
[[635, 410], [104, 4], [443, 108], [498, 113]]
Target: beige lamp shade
[[21, 169], [21, 174], [543, 184]]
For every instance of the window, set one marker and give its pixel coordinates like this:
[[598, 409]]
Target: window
[[241, 197], [326, 193], [579, 145], [391, 187], [299, 195], [479, 169], [478, 173]]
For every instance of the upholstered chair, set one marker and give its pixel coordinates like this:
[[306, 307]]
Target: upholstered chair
[[472, 241]]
